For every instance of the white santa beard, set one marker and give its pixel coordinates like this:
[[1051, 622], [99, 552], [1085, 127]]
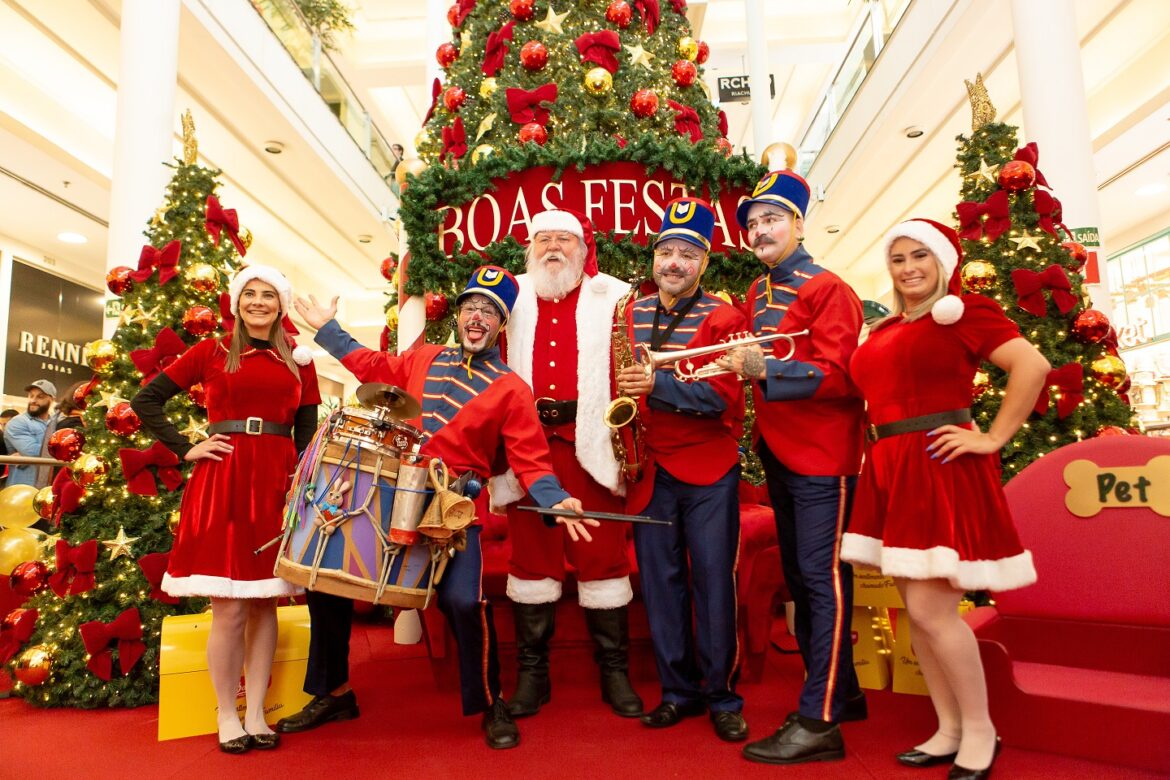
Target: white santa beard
[[555, 283]]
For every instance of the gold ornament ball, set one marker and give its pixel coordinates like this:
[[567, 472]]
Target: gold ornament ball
[[598, 81], [392, 317], [980, 385], [481, 153], [89, 470], [173, 521], [100, 354], [42, 503], [776, 152], [488, 87], [1109, 370], [203, 277], [688, 48], [246, 237], [411, 167], [34, 665], [978, 276]]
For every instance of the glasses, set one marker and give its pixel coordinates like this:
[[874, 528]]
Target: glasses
[[765, 221], [544, 239], [486, 312]]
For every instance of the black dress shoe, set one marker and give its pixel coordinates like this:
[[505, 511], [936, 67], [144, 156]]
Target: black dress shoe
[[499, 730], [920, 759], [795, 744], [321, 710], [962, 773], [265, 741], [729, 726], [669, 714], [238, 745], [855, 709]]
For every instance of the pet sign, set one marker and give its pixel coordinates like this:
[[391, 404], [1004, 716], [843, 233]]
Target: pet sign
[[1092, 488]]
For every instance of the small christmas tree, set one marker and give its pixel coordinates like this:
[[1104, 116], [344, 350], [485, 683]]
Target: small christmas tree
[[99, 618], [1018, 251]]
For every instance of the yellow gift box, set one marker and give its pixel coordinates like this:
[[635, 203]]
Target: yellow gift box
[[907, 675], [871, 588], [186, 700], [870, 653]]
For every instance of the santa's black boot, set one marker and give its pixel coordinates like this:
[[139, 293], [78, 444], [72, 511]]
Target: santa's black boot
[[610, 629], [534, 630]]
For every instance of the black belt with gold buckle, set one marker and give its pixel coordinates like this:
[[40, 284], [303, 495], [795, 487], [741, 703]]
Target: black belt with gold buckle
[[553, 412], [924, 423], [253, 426]]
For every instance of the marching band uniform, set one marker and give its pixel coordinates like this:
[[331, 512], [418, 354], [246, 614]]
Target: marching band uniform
[[692, 432]]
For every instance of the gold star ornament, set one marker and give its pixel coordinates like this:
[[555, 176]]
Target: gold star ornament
[[110, 399], [120, 544], [1026, 241], [196, 430], [985, 171], [552, 21], [639, 56], [485, 125]]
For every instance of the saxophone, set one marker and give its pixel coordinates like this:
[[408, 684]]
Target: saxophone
[[626, 433]]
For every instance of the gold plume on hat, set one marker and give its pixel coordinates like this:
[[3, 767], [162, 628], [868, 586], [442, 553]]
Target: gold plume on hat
[[982, 112], [190, 145]]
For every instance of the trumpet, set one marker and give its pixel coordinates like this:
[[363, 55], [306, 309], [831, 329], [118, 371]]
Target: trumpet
[[685, 369]]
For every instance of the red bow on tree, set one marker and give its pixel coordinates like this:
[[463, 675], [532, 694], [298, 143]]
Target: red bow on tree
[[166, 260], [680, 6], [1049, 210], [154, 566], [126, 630], [527, 106], [1069, 383], [219, 219], [436, 90], [650, 14], [972, 226], [600, 47], [454, 140], [135, 463], [1030, 154], [227, 320], [722, 123], [1030, 287], [686, 121], [167, 347], [74, 568], [68, 495], [496, 49], [465, 7], [12, 639]]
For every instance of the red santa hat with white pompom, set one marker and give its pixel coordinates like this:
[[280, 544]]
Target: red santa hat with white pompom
[[302, 355], [943, 242]]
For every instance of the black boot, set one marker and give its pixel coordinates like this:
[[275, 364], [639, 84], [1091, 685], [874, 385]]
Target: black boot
[[534, 629], [610, 629], [499, 730]]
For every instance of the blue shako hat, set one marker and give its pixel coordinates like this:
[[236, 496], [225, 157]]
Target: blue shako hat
[[689, 219], [494, 283], [785, 189]]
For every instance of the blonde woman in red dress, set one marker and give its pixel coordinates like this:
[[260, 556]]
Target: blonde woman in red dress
[[262, 401], [929, 510]]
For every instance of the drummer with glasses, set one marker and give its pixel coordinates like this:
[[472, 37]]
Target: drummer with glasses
[[475, 414]]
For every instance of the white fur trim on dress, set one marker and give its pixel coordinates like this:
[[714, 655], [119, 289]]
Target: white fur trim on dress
[[545, 591], [605, 594], [266, 274], [302, 355], [947, 310], [929, 236], [594, 373], [224, 588], [555, 219], [1017, 571], [505, 489]]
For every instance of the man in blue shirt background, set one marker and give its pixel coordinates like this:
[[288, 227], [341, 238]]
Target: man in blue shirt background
[[25, 433]]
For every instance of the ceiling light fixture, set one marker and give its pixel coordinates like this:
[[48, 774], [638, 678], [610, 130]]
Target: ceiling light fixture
[[1154, 188], [365, 238], [914, 131], [273, 147], [833, 229], [72, 238]]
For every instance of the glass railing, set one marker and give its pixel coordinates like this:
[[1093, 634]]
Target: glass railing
[[285, 20], [877, 21]]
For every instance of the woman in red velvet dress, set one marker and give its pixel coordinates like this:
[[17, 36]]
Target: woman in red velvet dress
[[929, 509], [259, 392]]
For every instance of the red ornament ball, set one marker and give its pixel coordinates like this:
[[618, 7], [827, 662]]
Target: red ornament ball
[[533, 131], [122, 420], [522, 10], [198, 395], [619, 13], [644, 103], [1077, 253], [29, 578], [81, 394], [1017, 175], [454, 98], [1090, 326], [446, 54], [118, 280], [199, 320], [704, 52], [66, 444], [684, 72], [1110, 430], [15, 617], [437, 306], [724, 146], [533, 55], [453, 15], [388, 267]]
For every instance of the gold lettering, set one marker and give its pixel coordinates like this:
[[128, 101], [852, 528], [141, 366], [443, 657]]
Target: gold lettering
[[43, 346], [521, 205], [656, 208], [453, 230], [721, 225], [472, 236], [592, 205], [559, 186], [26, 341], [621, 204]]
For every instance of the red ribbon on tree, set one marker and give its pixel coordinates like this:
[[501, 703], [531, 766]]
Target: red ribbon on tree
[[686, 121], [1030, 154], [74, 568], [465, 7], [126, 630], [1049, 210], [650, 14], [167, 348], [166, 260], [136, 462], [68, 495], [218, 220], [1030, 287], [601, 48], [1069, 381], [722, 123], [680, 6], [436, 90], [80, 394], [496, 49], [154, 566], [11, 640], [996, 209], [526, 106], [454, 140]]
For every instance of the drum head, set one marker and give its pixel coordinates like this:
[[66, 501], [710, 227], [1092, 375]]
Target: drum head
[[396, 402]]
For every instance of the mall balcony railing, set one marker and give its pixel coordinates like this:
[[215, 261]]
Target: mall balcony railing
[[305, 47]]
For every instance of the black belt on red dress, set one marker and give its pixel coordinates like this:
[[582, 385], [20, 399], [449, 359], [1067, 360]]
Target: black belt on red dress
[[553, 412], [925, 422], [253, 426]]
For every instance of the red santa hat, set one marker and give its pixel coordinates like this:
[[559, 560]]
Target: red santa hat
[[302, 355], [570, 222], [943, 242]]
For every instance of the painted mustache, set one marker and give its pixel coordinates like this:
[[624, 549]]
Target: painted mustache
[[762, 241]]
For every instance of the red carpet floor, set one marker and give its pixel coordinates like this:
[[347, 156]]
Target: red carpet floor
[[410, 728]]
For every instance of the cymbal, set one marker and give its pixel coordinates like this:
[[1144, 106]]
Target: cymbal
[[401, 404]]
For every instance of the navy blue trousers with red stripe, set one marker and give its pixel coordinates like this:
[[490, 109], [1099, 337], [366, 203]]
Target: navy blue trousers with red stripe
[[811, 514]]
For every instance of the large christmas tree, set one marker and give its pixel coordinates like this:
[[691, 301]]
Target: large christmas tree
[[1018, 251], [98, 615]]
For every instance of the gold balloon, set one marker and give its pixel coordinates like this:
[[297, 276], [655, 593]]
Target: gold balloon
[[173, 521], [598, 81], [688, 49], [978, 276], [487, 87], [89, 469], [42, 503], [392, 317], [16, 506], [776, 152], [34, 665], [411, 167], [17, 545], [421, 138], [100, 354], [245, 237], [202, 277], [1109, 370]]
